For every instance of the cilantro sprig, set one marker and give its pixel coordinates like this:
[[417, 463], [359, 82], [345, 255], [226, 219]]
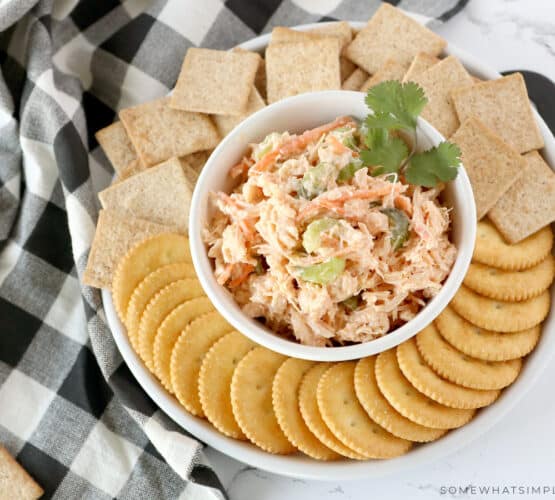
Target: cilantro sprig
[[394, 109]]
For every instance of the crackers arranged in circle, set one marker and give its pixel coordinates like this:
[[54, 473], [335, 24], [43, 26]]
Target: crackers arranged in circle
[[188, 354], [491, 249], [347, 419], [147, 289], [462, 369], [484, 344], [285, 398], [158, 308], [429, 383], [511, 285], [379, 409], [498, 315], [214, 381], [141, 260], [251, 400], [170, 330], [308, 404], [410, 402]]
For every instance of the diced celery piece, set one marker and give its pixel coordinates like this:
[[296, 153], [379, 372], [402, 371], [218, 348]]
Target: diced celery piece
[[323, 273], [311, 236], [399, 225], [348, 172], [315, 180]]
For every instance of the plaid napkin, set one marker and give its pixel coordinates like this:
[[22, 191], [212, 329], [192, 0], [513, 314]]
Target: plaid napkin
[[70, 410]]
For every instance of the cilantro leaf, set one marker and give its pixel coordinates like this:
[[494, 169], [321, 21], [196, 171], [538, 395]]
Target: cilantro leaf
[[438, 164], [395, 105], [385, 153]]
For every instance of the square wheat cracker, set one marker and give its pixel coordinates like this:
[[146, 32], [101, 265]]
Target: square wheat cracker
[[197, 160], [215, 81], [115, 234], [339, 29], [281, 34], [297, 67], [116, 146], [160, 194], [391, 70], [226, 124], [391, 34], [491, 164], [529, 204], [419, 64], [159, 132], [438, 81], [346, 68], [355, 80], [503, 106], [133, 168], [260, 77], [15, 482]]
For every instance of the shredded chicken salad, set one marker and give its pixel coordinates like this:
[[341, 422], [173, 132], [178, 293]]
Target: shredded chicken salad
[[318, 247]]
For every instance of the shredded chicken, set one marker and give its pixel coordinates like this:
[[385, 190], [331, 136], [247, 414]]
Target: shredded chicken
[[311, 251]]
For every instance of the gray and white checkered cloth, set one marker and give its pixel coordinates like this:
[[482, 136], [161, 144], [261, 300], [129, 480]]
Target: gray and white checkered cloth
[[70, 410]]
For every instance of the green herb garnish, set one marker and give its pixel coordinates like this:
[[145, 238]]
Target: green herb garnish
[[438, 164], [385, 151], [395, 107]]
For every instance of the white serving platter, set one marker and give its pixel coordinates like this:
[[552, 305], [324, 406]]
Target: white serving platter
[[301, 466]]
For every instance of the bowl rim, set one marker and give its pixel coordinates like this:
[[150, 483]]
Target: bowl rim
[[258, 333], [298, 466]]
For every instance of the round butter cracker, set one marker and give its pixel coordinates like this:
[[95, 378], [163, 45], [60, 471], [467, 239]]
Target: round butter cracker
[[347, 419], [170, 330], [461, 369], [484, 344], [160, 306], [410, 402], [308, 404], [187, 356], [510, 285], [147, 289], [498, 315], [429, 383], [214, 381], [285, 398], [251, 400], [141, 260], [492, 250], [379, 409]]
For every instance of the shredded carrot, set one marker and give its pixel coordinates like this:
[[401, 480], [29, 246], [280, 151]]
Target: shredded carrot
[[298, 143], [224, 277], [404, 203], [244, 271], [266, 161], [247, 228], [240, 169], [337, 147]]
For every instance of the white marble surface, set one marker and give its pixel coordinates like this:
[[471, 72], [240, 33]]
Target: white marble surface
[[520, 450]]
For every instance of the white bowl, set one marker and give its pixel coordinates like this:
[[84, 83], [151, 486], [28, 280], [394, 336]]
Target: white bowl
[[301, 466], [297, 114]]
